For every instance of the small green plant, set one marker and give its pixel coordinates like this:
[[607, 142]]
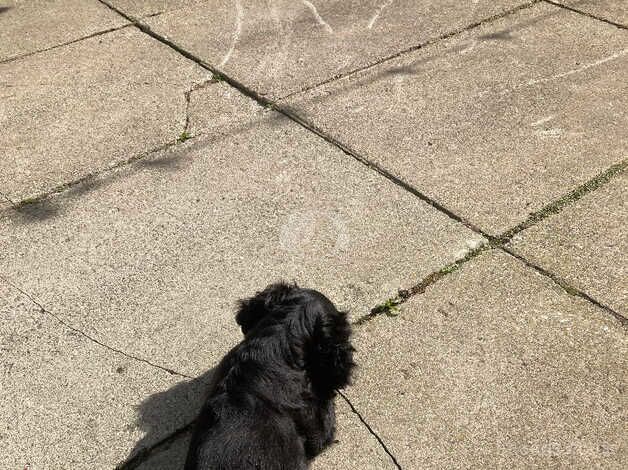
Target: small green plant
[[450, 268], [185, 135], [390, 307], [28, 201]]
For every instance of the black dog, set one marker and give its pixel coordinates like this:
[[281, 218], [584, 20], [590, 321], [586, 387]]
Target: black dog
[[271, 400]]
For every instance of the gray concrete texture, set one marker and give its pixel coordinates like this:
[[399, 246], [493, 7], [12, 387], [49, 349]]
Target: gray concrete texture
[[164, 248], [494, 123], [586, 244], [30, 26], [66, 401], [123, 250], [284, 46], [610, 10], [496, 367], [78, 109]]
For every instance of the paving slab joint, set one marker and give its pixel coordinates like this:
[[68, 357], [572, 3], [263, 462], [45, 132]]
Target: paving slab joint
[[429, 42], [496, 242], [391, 306], [145, 453], [295, 117], [57, 46], [23, 204], [565, 286], [584, 13], [557, 205]]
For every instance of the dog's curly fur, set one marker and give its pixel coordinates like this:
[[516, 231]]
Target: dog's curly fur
[[271, 399]]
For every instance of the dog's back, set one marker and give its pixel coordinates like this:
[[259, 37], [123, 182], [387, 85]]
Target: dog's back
[[247, 438], [270, 404]]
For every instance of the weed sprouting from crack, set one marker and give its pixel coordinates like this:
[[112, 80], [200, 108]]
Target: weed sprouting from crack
[[569, 198], [29, 201], [391, 307], [185, 135]]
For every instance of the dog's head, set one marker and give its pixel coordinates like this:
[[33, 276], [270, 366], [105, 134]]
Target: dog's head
[[265, 303], [318, 330]]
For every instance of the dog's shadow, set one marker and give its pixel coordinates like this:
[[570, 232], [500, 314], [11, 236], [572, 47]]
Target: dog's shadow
[[165, 419]]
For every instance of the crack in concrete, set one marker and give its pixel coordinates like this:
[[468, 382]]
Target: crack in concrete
[[494, 242], [47, 194], [6, 198], [57, 46], [144, 454], [584, 13], [501, 242], [369, 429], [59, 320], [381, 170], [188, 95]]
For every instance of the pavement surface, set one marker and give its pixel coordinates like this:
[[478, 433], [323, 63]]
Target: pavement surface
[[454, 174]]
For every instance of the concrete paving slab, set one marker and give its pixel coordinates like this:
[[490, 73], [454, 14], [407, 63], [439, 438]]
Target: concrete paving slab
[[144, 8], [496, 123], [76, 109], [285, 46], [611, 10], [356, 449], [496, 367], [66, 402], [586, 244], [152, 258], [29, 26]]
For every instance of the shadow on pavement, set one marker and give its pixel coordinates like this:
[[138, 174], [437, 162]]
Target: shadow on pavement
[[165, 417]]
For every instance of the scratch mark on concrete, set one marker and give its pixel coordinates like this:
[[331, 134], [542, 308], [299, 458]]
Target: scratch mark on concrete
[[236, 34], [318, 17], [551, 132], [576, 70], [471, 46], [379, 12], [284, 34], [542, 121]]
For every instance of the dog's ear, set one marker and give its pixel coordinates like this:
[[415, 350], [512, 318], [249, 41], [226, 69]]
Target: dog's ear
[[329, 358], [252, 310]]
